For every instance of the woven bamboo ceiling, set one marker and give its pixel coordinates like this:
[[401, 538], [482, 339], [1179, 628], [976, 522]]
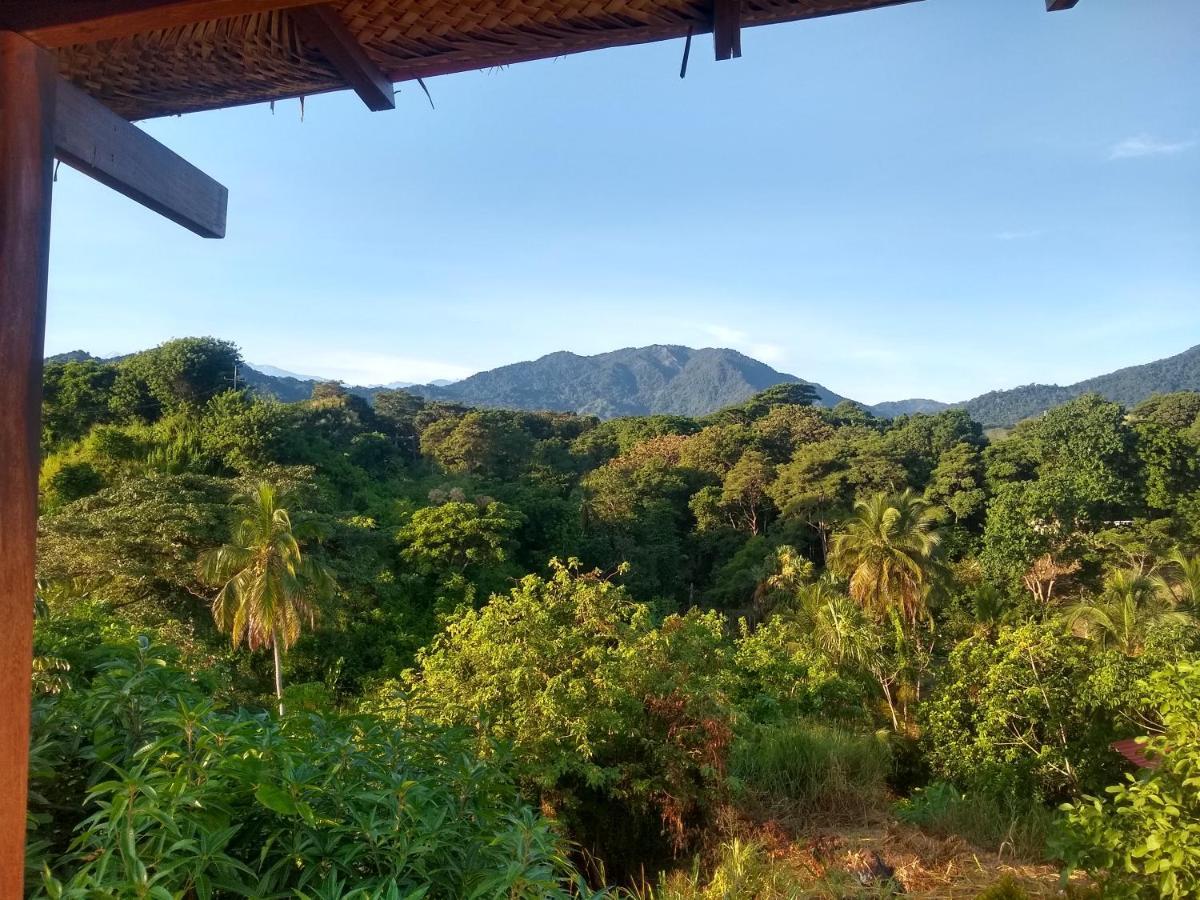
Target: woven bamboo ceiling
[[176, 63]]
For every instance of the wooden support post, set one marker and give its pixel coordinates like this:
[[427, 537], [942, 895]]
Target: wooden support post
[[27, 95], [727, 28]]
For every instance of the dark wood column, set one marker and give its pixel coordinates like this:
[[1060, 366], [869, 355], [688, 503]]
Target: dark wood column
[[27, 94]]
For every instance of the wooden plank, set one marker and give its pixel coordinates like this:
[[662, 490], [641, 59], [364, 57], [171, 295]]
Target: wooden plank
[[27, 98], [61, 23], [727, 28], [93, 139], [1056, 5], [323, 27]]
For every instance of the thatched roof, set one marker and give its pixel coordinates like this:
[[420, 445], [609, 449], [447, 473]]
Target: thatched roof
[[263, 56]]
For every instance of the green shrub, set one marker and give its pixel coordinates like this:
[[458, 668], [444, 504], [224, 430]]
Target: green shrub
[[1145, 839], [597, 702], [142, 787], [781, 675], [1019, 828], [1029, 711], [814, 766]]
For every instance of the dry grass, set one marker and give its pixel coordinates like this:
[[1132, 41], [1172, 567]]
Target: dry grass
[[776, 859], [925, 865]]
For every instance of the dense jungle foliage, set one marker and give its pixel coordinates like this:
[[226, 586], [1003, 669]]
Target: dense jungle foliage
[[412, 649]]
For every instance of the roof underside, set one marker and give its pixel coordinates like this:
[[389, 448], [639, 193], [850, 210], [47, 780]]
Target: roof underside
[[262, 56]]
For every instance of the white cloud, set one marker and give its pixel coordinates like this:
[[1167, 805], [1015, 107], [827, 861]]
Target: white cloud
[[742, 341], [358, 367], [1020, 235], [1147, 145]]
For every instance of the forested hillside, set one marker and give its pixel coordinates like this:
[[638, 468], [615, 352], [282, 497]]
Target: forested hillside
[[1128, 386], [630, 382], [331, 649], [680, 380]]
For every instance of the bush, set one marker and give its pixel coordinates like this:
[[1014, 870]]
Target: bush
[[598, 704], [156, 792], [813, 766], [782, 676], [1145, 839], [1028, 712]]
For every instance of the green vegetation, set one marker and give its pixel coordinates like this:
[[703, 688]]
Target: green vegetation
[[535, 654]]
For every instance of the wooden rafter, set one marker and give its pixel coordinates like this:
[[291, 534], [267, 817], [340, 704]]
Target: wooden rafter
[[323, 27], [727, 28], [62, 23], [90, 137], [1056, 5]]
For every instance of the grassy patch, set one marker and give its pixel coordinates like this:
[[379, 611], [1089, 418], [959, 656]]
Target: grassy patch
[[815, 767], [1020, 829]]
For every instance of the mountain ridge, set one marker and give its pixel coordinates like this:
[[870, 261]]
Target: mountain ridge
[[674, 379], [659, 378]]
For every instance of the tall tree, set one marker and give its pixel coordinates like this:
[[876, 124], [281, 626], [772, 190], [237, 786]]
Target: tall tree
[[269, 589], [888, 551]]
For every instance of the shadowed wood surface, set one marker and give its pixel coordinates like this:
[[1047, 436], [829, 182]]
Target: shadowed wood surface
[[27, 99], [173, 67], [61, 23], [323, 27], [99, 143]]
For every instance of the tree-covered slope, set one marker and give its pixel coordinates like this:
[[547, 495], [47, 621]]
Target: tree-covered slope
[[631, 381], [1127, 386], [889, 409]]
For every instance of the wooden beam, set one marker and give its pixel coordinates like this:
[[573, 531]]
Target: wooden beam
[[27, 98], [323, 27], [93, 139], [1056, 5], [61, 23], [727, 28]]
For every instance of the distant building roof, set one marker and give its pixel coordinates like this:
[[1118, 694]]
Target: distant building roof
[[1135, 752]]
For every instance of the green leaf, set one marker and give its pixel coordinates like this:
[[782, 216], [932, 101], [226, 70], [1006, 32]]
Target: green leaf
[[276, 799]]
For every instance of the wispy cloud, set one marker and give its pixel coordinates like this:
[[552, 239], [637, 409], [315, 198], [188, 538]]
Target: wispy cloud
[[741, 340], [1018, 235], [1148, 145], [375, 368]]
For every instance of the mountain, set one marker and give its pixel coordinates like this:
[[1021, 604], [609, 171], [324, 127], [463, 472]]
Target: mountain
[[889, 409], [685, 381], [1128, 386], [628, 382], [276, 372]]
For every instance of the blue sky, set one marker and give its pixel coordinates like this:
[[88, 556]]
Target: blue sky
[[932, 200]]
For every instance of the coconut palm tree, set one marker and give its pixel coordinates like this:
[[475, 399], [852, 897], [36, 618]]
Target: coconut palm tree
[[269, 589], [888, 551], [1182, 580], [1126, 611]]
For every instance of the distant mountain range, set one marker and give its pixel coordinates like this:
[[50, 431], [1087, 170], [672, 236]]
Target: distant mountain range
[[635, 381], [665, 378]]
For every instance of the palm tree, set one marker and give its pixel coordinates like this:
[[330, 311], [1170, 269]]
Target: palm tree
[[1127, 610], [1183, 580], [269, 588], [836, 624], [888, 550]]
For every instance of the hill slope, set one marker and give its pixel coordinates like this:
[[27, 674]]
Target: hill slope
[[631, 381], [1127, 386]]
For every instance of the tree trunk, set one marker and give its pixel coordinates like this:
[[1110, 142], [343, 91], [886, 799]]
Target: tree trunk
[[278, 670]]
